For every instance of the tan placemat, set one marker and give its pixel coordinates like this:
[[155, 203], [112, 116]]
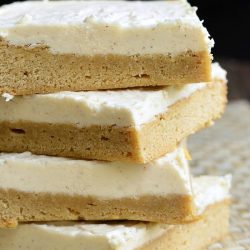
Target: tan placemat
[[225, 148]]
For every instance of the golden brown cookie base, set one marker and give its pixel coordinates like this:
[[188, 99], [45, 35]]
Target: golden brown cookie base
[[25, 70], [17, 206], [196, 235], [112, 143]]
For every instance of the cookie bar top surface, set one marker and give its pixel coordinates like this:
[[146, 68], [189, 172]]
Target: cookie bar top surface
[[105, 27], [123, 236], [131, 107], [120, 13], [121, 108], [86, 236], [168, 175]]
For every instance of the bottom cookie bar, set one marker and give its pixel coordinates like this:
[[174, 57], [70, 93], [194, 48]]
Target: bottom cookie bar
[[123, 236]]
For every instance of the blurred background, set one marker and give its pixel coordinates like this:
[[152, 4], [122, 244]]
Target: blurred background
[[228, 22]]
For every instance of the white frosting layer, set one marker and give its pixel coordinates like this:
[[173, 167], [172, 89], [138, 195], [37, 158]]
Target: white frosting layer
[[218, 73], [131, 107], [209, 190], [86, 236], [105, 180], [105, 27], [121, 107], [80, 236]]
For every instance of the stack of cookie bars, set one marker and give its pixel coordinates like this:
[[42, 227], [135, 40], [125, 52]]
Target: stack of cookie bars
[[98, 99]]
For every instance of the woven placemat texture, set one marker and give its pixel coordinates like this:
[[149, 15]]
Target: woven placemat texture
[[225, 148]]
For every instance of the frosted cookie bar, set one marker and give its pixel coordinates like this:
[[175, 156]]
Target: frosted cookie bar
[[126, 235], [136, 125], [44, 188], [86, 45]]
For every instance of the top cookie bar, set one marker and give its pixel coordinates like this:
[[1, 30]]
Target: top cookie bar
[[86, 45]]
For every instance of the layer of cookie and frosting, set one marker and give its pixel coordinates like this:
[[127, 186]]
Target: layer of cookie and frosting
[[168, 175], [105, 27], [122, 236], [131, 107]]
